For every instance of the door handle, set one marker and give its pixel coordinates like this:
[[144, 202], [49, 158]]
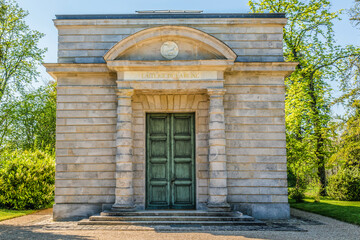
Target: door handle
[[172, 180]]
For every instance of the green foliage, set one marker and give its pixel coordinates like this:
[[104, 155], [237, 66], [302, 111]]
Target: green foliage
[[19, 51], [348, 152], [297, 193], [26, 179], [309, 40], [27, 116], [355, 13], [345, 184], [29, 121]]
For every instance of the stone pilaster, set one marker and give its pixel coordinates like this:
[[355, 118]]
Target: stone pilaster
[[217, 155], [124, 192]]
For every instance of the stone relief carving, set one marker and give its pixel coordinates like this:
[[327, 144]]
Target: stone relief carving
[[169, 50]]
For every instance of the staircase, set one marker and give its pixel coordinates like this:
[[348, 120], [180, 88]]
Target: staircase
[[175, 218]]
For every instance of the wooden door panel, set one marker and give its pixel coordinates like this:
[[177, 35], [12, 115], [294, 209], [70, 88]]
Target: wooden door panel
[[183, 155], [159, 195], [158, 124], [182, 148], [158, 172], [158, 148], [157, 166], [182, 126], [183, 194], [183, 171]]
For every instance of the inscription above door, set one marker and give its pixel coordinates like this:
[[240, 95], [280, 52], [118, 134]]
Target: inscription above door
[[170, 161]]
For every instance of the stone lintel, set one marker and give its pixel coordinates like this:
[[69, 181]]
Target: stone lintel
[[174, 65], [170, 91]]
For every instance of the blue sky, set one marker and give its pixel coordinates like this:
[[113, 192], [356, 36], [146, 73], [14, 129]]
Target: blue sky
[[43, 11]]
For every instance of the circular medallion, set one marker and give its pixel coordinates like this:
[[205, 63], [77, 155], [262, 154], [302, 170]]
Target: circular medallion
[[169, 50]]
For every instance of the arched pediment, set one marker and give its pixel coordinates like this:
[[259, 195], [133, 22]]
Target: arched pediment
[[192, 44]]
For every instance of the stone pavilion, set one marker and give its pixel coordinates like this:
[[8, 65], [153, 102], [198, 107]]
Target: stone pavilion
[[170, 110]]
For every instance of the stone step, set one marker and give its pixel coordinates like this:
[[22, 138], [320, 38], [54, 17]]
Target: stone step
[[171, 213], [170, 218], [174, 223]]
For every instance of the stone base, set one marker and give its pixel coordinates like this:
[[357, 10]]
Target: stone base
[[264, 210], [218, 207], [67, 212], [123, 208]]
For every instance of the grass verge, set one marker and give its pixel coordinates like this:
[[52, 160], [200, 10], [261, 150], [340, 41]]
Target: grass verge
[[346, 211], [8, 214]]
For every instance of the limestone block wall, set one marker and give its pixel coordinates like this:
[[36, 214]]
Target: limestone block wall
[[253, 40], [256, 144], [85, 143], [147, 103]]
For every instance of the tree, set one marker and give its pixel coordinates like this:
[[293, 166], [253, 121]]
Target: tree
[[355, 13], [19, 51], [309, 40], [348, 153], [29, 120]]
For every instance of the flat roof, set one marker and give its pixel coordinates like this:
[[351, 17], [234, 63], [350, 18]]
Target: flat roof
[[171, 15]]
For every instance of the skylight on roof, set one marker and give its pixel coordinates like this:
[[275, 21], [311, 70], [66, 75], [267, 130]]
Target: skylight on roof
[[168, 11]]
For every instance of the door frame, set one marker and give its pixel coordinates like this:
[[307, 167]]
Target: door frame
[[194, 163]]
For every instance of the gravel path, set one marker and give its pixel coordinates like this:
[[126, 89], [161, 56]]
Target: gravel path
[[302, 226]]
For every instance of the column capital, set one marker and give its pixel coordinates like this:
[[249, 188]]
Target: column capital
[[128, 92], [216, 91]]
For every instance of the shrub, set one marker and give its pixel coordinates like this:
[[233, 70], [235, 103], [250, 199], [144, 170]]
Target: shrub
[[26, 179], [345, 185], [296, 193]]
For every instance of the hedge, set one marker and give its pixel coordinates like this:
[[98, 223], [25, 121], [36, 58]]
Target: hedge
[[26, 179], [345, 185]]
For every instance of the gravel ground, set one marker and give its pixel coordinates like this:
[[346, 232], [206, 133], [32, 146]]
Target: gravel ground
[[302, 226]]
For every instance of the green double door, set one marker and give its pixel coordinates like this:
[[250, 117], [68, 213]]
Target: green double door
[[170, 161]]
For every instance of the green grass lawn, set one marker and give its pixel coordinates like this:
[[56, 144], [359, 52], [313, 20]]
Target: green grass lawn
[[347, 211], [7, 214]]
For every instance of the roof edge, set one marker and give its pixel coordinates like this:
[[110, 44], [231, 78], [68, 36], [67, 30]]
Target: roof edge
[[169, 16]]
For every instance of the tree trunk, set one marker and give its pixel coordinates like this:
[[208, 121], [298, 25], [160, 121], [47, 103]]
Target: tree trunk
[[322, 177], [319, 152]]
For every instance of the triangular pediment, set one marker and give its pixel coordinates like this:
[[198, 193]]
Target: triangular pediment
[[180, 49], [170, 43]]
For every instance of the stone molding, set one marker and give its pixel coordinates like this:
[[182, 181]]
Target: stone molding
[[280, 68], [174, 65], [216, 91], [124, 92], [75, 23]]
